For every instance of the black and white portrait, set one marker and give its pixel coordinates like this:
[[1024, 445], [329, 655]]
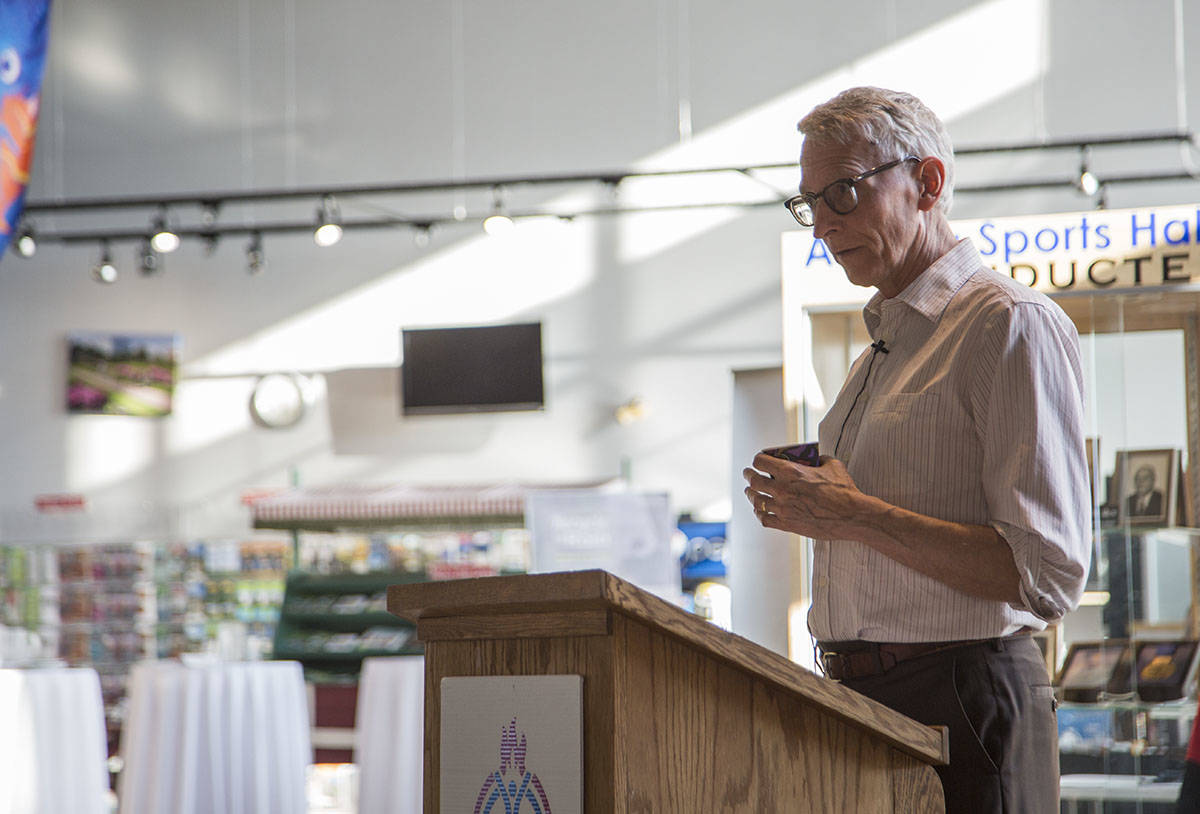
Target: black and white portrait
[[1146, 486]]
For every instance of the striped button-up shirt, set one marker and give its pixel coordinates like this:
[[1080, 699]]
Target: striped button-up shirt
[[974, 414]]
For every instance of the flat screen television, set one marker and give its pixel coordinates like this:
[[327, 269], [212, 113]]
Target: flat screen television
[[489, 368]]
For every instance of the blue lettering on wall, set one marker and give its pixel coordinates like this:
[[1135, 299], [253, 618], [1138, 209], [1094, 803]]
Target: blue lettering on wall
[[1010, 246], [1067, 237], [1185, 232], [1049, 244], [984, 229], [1103, 241], [1135, 229], [818, 251]]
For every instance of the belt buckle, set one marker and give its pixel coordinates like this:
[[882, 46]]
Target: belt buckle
[[832, 664], [870, 662]]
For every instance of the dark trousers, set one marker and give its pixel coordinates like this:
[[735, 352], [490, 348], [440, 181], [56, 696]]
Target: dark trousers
[[996, 700]]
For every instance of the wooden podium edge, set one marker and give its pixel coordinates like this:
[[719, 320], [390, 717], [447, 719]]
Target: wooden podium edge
[[581, 590]]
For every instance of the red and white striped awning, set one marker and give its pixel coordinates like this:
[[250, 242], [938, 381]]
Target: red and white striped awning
[[348, 506]]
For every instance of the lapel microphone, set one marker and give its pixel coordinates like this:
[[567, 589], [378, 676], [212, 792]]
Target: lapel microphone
[[876, 346]]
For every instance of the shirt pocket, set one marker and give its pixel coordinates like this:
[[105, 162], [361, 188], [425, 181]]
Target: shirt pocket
[[896, 453], [904, 403]]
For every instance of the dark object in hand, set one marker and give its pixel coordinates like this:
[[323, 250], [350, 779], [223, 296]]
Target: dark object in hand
[[807, 454]]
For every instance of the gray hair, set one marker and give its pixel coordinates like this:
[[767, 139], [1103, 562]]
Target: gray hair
[[896, 123]]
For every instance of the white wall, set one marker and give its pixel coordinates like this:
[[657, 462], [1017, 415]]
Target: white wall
[[178, 97]]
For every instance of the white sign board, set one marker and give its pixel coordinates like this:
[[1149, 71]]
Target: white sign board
[[1097, 250], [627, 534], [512, 745]]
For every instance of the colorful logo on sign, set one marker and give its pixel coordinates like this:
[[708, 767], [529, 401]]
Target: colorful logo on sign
[[512, 785]]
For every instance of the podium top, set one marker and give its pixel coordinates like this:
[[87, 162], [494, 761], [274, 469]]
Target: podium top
[[599, 590]]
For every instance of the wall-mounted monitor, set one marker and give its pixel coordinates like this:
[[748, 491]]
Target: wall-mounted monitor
[[489, 368]]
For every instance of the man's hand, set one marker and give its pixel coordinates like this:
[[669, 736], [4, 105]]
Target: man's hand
[[824, 503], [814, 501]]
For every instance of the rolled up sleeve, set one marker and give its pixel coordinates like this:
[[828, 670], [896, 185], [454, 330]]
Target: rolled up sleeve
[[1030, 398]]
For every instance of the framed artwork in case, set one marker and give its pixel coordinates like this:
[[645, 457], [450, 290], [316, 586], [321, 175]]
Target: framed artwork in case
[[1146, 486]]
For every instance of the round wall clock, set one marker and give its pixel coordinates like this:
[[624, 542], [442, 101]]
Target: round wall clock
[[277, 401]]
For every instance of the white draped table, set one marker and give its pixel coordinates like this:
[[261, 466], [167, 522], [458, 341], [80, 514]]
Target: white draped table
[[225, 738], [390, 734], [53, 750]]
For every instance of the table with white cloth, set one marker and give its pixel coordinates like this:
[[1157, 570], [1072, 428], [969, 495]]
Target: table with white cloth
[[53, 749], [389, 743], [219, 738]]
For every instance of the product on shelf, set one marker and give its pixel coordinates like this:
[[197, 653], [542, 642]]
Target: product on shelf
[[108, 605]]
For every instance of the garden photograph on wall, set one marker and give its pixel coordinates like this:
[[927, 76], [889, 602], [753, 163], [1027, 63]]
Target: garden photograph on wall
[[121, 374]]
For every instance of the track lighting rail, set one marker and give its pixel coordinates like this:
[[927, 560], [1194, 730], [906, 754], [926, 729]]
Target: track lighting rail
[[327, 197], [612, 178]]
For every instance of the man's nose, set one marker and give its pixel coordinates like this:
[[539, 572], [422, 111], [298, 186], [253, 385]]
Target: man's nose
[[825, 220]]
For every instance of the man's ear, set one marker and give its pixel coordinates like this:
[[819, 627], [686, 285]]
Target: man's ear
[[931, 174]]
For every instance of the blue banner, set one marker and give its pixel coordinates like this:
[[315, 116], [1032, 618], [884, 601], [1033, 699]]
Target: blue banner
[[24, 26]]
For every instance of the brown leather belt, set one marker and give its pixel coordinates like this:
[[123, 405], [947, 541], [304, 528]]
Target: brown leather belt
[[858, 659]]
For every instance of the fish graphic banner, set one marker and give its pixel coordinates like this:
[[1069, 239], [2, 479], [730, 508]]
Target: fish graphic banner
[[24, 27]]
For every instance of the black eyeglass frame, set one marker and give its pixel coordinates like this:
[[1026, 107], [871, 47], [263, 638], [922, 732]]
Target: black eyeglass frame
[[810, 199]]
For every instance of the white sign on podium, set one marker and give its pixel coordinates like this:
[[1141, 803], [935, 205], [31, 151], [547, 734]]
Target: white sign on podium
[[512, 744]]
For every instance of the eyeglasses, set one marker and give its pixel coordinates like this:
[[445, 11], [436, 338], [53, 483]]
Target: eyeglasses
[[838, 196]]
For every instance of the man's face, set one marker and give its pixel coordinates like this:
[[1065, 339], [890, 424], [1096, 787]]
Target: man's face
[[1143, 480], [872, 242]]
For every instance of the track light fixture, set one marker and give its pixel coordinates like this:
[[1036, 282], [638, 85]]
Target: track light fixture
[[329, 225], [1089, 184], [498, 222], [149, 260], [422, 235], [208, 220], [163, 240], [256, 261], [25, 244], [104, 271]]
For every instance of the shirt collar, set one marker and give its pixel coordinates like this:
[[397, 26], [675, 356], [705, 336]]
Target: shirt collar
[[932, 290]]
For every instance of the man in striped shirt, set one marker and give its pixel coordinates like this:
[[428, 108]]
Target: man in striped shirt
[[950, 513]]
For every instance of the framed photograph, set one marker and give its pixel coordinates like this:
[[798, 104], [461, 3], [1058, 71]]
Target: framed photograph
[[1095, 668], [121, 374], [1147, 486]]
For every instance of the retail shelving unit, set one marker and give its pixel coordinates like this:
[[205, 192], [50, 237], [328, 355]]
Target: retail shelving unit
[[330, 623], [351, 543]]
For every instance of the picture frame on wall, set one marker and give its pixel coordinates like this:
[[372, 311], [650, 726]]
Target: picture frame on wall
[[121, 373], [1147, 486]]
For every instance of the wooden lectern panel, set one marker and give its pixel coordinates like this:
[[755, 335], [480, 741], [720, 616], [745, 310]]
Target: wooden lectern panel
[[694, 735], [679, 716]]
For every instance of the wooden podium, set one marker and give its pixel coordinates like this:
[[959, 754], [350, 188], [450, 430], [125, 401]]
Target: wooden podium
[[679, 715]]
